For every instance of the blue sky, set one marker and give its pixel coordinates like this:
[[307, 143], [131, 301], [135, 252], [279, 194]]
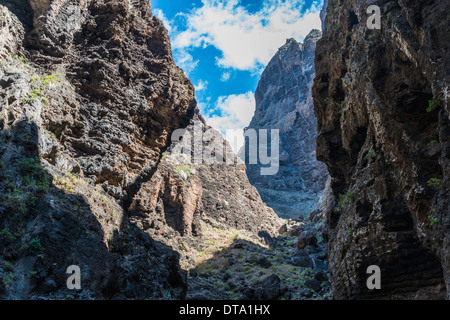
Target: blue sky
[[223, 46]]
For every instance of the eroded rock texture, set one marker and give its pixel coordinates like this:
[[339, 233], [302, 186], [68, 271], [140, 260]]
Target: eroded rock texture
[[381, 103], [284, 102], [204, 200], [89, 98]]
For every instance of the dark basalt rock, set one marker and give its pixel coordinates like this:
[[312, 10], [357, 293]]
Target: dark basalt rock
[[269, 289], [306, 238], [302, 259], [383, 120], [313, 284], [264, 262]]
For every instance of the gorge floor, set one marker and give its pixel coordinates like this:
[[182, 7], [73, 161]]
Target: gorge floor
[[292, 266]]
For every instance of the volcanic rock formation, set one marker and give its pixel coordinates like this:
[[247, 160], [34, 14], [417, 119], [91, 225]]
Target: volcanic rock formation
[[284, 102], [89, 98], [380, 98]]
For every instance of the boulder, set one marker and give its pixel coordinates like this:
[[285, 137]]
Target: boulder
[[306, 238]]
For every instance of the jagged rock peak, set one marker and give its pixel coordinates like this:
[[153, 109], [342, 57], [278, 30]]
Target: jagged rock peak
[[284, 102], [313, 36], [292, 44]]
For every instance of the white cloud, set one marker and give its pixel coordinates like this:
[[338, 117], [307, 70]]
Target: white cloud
[[233, 112], [201, 85], [225, 76], [246, 40], [185, 61]]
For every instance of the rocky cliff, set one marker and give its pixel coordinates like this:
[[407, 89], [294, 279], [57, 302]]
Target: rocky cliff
[[380, 98], [191, 203], [89, 98], [284, 102]]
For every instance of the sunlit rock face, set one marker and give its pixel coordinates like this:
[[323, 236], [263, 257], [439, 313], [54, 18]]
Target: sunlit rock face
[[284, 103], [383, 118]]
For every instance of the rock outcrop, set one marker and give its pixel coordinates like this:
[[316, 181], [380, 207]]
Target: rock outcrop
[[381, 100], [196, 201], [89, 98], [284, 102]]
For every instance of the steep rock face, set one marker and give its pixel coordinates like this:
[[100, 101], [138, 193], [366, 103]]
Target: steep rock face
[[89, 97], [117, 57], [284, 102], [192, 202], [380, 97]]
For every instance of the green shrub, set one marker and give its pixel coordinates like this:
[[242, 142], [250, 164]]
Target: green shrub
[[35, 245], [371, 154], [20, 59], [431, 105], [345, 199], [7, 234], [39, 87], [433, 220], [184, 171], [342, 107], [20, 199], [349, 231], [8, 279], [34, 175], [435, 182], [432, 143]]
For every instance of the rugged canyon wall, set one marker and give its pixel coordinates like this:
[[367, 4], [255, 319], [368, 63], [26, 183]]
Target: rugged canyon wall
[[89, 98], [191, 204], [381, 100], [284, 102]]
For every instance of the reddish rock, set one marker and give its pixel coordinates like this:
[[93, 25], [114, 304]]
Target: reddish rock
[[383, 125]]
